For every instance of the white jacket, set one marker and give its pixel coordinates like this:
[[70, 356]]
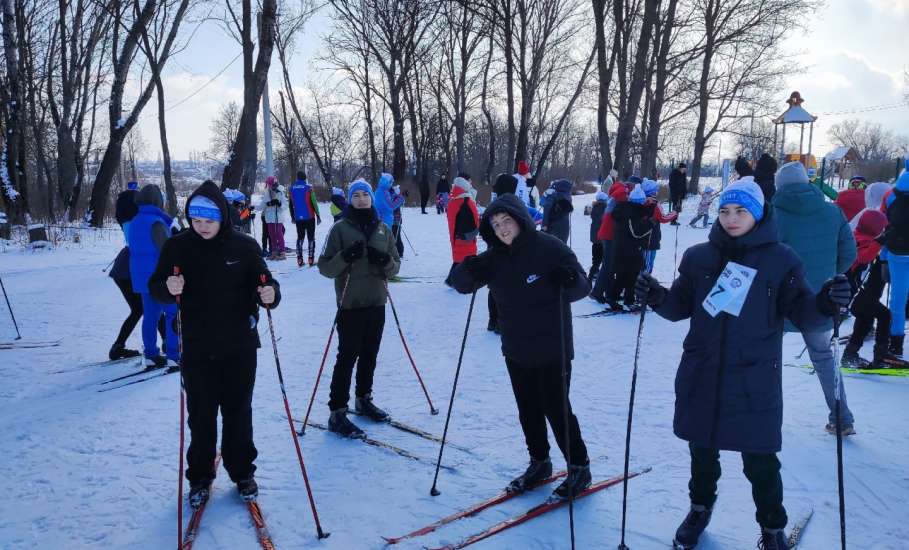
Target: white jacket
[[273, 214]]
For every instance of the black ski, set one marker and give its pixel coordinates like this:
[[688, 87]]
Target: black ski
[[608, 312], [415, 431], [145, 370], [28, 344], [795, 535], [381, 445], [157, 374], [106, 364]]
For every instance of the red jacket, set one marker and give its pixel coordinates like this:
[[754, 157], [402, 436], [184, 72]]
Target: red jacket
[[461, 248], [619, 192], [851, 202]]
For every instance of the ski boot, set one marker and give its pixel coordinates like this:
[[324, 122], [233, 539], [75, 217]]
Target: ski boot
[[598, 299], [364, 406], [156, 362], [616, 307], [118, 351], [889, 361], [199, 493], [845, 429], [536, 471], [248, 489], [773, 539], [577, 480], [852, 360], [688, 533], [896, 345], [172, 365], [493, 326], [300, 261], [341, 425], [312, 261]]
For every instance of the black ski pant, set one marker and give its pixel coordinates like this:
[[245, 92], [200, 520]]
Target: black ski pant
[[359, 337], [134, 301], [604, 278], [424, 198], [399, 243], [224, 383], [493, 310], [540, 398], [596, 254], [761, 469], [266, 240], [623, 285], [450, 271], [865, 316], [307, 229], [676, 200]]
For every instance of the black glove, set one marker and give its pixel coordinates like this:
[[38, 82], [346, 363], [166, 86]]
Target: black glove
[[836, 293], [479, 268], [353, 252], [885, 273], [648, 290], [377, 257], [563, 276], [273, 202]]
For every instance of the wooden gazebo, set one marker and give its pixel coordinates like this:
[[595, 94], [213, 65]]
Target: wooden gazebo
[[795, 114]]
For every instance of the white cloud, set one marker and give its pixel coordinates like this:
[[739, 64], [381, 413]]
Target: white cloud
[[900, 7]]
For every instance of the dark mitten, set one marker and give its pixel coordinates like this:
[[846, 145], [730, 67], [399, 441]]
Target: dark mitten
[[353, 252], [479, 268], [377, 257], [648, 290], [835, 294]]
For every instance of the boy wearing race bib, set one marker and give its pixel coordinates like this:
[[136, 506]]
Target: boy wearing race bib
[[737, 289]]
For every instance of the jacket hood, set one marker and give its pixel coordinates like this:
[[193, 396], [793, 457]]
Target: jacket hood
[[764, 232], [210, 191], [766, 168], [799, 198], [562, 186], [385, 181], [505, 184], [150, 194], [514, 207], [874, 195]]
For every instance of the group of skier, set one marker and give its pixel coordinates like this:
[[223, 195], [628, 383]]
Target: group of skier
[[798, 251]]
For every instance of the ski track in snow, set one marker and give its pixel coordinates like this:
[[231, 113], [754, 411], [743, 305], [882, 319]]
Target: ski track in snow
[[87, 469]]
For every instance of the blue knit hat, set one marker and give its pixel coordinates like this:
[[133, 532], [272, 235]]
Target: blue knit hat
[[650, 187], [133, 185], [635, 180], [360, 185], [204, 208], [747, 193], [637, 195]]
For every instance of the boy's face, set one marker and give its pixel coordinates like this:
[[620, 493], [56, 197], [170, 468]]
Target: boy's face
[[736, 219], [207, 229], [361, 200], [505, 227]]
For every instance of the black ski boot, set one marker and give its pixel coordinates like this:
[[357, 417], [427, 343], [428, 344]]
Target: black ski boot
[[248, 489], [341, 425], [852, 360], [536, 471], [577, 480], [119, 351], [845, 429], [688, 533], [896, 345], [493, 326], [364, 406], [199, 493], [773, 539], [889, 361]]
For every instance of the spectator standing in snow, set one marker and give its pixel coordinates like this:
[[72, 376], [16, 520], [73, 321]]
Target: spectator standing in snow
[[463, 222], [521, 190], [820, 236], [852, 200], [424, 194], [272, 208], [148, 232], [533, 278], [729, 392], [220, 290], [633, 228], [305, 212], [605, 278], [707, 197], [397, 218], [557, 211], [597, 209], [765, 176], [442, 191], [360, 255], [678, 188], [656, 216], [897, 243]]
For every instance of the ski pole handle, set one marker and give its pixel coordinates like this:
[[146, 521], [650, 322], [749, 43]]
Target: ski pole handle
[[177, 274]]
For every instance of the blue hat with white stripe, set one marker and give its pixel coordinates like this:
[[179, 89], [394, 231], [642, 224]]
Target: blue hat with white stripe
[[204, 208], [746, 193]]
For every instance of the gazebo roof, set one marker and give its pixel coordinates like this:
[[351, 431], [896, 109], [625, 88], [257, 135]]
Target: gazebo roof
[[795, 114]]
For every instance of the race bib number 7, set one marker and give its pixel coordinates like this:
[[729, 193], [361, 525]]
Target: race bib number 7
[[730, 290]]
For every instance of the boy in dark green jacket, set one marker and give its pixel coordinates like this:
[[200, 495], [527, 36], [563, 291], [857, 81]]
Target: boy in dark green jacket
[[360, 255]]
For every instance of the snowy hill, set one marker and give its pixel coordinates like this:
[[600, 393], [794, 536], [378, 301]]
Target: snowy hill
[[89, 469]]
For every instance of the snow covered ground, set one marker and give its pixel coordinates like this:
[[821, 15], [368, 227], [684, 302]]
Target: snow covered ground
[[83, 469]]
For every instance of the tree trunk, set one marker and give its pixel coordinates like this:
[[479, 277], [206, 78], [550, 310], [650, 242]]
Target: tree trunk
[[490, 124], [651, 146], [508, 45], [165, 150], [604, 73], [700, 140], [10, 171]]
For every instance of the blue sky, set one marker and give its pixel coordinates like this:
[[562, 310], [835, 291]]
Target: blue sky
[[852, 57]]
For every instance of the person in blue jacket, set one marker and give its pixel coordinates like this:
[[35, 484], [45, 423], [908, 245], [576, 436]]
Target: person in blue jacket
[[386, 201], [897, 252], [729, 388], [305, 212], [148, 231]]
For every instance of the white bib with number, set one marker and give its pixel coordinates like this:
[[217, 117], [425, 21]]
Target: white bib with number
[[730, 290]]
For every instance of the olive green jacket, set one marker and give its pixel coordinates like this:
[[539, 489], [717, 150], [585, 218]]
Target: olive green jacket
[[365, 282]]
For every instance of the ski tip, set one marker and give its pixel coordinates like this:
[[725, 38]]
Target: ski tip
[[434, 412], [434, 492]]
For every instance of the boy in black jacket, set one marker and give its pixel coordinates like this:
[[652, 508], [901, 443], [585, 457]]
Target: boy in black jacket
[[533, 278], [220, 289]]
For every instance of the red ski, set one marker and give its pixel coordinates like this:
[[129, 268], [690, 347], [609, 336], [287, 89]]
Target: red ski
[[473, 510], [536, 511], [259, 523], [192, 528]]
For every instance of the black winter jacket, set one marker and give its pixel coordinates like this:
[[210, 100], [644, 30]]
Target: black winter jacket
[[678, 185], [520, 284], [126, 208], [633, 230], [220, 302], [728, 389], [596, 218]]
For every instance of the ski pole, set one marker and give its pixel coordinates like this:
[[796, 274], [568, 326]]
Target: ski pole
[[435, 492], [565, 416], [837, 377], [179, 330], [293, 432], [406, 238], [108, 265], [675, 255], [10, 308], [331, 334], [432, 409]]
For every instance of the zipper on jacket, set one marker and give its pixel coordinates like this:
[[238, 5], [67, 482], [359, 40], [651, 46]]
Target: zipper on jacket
[[769, 305], [719, 380]]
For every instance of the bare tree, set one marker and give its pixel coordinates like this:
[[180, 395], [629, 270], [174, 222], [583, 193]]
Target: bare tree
[[223, 130], [870, 140], [11, 97]]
